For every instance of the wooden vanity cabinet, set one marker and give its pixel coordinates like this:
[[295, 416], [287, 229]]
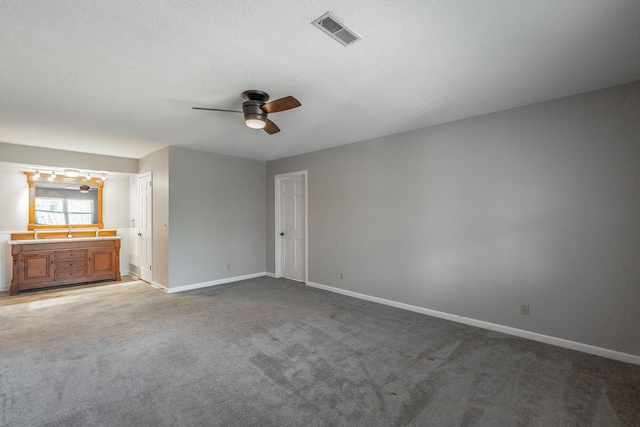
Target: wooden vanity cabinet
[[47, 264], [102, 262], [35, 268]]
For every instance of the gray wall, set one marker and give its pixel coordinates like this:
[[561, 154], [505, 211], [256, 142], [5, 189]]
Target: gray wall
[[12, 153], [539, 205], [158, 164], [216, 210]]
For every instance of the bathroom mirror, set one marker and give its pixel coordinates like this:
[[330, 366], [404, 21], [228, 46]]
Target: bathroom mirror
[[64, 202]]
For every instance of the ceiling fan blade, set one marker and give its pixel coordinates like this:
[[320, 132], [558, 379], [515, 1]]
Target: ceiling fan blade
[[271, 127], [282, 104], [216, 109]]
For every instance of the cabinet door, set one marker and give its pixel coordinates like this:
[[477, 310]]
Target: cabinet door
[[35, 268], [102, 262]]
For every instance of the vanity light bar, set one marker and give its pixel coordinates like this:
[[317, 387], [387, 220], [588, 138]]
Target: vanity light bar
[[71, 173]]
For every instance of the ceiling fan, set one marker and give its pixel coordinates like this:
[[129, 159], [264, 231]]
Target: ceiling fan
[[256, 108]]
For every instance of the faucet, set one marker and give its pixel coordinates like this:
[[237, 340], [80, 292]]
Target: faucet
[[69, 234], [35, 234]]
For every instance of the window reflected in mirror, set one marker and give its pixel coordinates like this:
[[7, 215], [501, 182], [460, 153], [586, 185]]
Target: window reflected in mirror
[[64, 202], [63, 206]]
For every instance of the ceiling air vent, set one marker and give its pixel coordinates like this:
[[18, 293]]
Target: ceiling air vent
[[336, 29]]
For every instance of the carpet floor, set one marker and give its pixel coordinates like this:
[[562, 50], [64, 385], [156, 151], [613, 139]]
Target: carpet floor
[[273, 352]]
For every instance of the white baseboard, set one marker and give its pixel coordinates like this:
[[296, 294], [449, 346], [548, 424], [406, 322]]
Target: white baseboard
[[572, 345], [270, 274], [160, 287], [210, 283]]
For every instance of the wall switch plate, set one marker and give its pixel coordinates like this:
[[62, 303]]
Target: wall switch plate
[[228, 266], [524, 309], [341, 275]]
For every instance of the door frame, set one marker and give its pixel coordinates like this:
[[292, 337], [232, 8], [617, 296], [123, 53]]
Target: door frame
[[278, 217]]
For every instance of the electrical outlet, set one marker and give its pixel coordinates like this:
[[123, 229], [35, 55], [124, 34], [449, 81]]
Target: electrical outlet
[[524, 309], [228, 266], [342, 275]]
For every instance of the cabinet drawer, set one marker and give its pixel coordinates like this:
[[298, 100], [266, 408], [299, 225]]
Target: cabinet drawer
[[71, 273], [74, 263], [72, 254]]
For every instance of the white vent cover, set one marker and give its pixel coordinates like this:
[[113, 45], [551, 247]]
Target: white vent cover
[[336, 29]]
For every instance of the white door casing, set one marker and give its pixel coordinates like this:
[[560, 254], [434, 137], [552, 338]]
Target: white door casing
[[145, 226], [291, 226]]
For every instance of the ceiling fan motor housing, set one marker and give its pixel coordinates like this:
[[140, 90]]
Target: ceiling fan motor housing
[[255, 95], [253, 110]]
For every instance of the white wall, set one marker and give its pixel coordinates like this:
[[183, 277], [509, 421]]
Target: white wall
[[134, 209], [537, 205], [115, 214], [14, 193], [14, 215]]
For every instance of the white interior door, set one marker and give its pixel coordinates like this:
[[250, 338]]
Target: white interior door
[[144, 232], [292, 226]]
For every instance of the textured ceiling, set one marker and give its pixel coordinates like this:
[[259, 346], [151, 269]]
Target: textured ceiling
[[119, 77]]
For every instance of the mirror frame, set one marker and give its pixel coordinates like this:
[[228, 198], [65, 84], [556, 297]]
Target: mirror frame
[[63, 180]]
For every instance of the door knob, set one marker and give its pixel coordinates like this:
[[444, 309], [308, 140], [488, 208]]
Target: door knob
[[140, 234], [282, 234]]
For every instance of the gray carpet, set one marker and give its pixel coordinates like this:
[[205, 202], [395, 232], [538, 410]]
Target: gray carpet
[[272, 352]]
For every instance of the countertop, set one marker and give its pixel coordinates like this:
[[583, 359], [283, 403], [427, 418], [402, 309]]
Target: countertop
[[63, 240]]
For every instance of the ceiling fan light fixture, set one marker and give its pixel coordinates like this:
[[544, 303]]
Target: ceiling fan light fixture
[[254, 117], [255, 123]]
